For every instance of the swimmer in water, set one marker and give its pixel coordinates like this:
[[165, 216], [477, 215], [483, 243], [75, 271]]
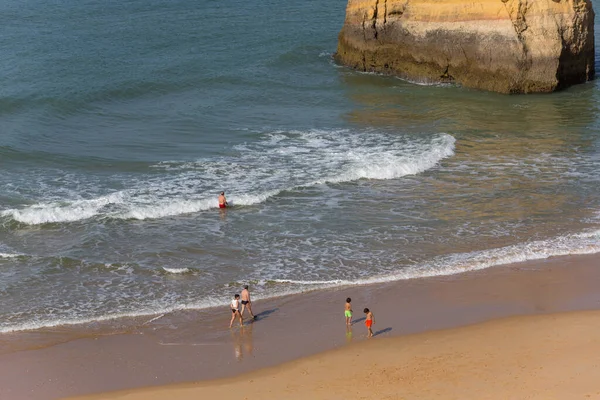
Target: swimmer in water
[[222, 200]]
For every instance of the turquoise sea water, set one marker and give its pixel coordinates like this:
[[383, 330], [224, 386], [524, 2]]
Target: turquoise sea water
[[120, 122]]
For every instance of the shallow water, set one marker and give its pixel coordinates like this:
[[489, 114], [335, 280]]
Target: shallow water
[[121, 122]]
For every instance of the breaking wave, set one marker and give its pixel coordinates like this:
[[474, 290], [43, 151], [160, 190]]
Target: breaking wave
[[279, 162], [176, 270]]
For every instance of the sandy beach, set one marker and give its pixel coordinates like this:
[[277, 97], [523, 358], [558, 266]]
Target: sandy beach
[[533, 357], [425, 339]]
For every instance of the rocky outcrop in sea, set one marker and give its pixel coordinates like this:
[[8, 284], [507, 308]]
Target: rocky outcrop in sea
[[508, 46]]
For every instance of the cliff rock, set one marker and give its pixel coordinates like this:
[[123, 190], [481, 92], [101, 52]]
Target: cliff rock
[[508, 46]]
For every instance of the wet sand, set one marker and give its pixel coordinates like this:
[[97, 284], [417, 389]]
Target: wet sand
[[193, 345], [529, 357]]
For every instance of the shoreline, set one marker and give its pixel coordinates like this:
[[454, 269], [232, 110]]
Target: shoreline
[[534, 357], [453, 264], [190, 346]]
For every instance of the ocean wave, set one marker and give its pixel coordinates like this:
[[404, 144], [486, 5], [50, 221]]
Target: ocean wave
[[56, 322], [385, 168], [10, 255], [333, 282], [176, 270], [575, 244], [279, 162], [62, 212], [169, 208], [7, 252]]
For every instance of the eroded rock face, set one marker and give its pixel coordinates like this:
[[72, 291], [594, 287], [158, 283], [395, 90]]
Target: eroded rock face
[[508, 46]]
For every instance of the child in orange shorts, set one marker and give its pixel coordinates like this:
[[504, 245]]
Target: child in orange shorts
[[369, 321]]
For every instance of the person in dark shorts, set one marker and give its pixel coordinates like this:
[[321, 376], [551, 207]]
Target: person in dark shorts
[[246, 302]]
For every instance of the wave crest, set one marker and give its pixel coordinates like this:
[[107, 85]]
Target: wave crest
[[280, 161]]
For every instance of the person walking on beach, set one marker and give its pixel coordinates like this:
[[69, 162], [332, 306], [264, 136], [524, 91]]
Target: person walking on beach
[[235, 310], [369, 321], [246, 302], [348, 311], [222, 200]]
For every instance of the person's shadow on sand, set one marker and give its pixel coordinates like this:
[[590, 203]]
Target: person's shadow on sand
[[356, 321], [382, 331], [265, 314]]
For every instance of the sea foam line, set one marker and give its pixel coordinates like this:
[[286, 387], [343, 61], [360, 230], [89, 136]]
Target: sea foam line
[[355, 157], [11, 255], [7, 252], [56, 322], [176, 270], [43, 213], [575, 244]]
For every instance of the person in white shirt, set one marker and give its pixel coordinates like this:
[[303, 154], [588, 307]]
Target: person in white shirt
[[235, 310]]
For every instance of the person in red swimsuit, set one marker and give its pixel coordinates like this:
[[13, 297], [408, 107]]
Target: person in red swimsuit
[[369, 321], [222, 200]]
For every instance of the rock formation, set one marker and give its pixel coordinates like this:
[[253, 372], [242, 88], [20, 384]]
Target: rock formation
[[508, 46]]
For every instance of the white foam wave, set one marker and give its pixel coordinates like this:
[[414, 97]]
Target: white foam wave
[[10, 255], [152, 311], [386, 166], [153, 319], [44, 213], [7, 252], [176, 270], [280, 161], [162, 208], [576, 244], [310, 283]]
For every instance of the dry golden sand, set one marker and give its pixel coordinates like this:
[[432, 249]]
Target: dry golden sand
[[533, 357]]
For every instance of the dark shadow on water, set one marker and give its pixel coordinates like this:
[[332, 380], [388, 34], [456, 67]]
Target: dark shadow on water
[[382, 331], [356, 321]]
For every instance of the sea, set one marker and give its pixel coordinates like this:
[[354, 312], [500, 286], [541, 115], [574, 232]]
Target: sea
[[122, 121]]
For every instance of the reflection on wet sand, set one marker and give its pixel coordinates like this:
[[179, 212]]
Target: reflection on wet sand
[[348, 334], [542, 290], [243, 345]]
